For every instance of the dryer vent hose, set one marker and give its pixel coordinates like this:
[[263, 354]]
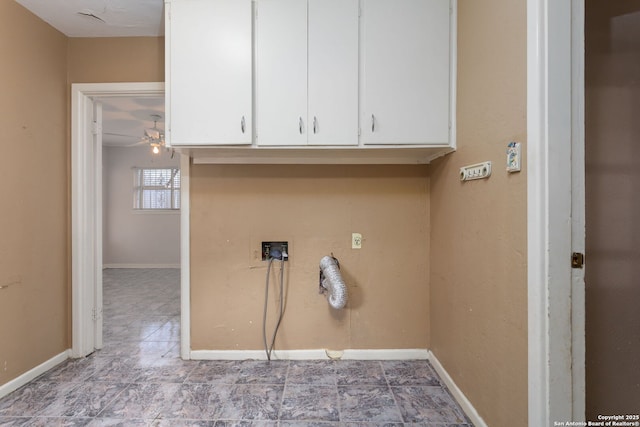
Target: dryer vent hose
[[332, 282]]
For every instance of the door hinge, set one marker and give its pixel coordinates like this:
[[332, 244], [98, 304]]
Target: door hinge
[[577, 260], [96, 128], [94, 314]]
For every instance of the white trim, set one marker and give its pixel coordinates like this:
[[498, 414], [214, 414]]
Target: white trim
[[578, 233], [84, 237], [458, 395], [233, 355], [386, 354], [155, 211], [34, 373], [315, 155], [453, 83], [549, 211], [140, 266], [82, 223], [312, 354], [97, 275], [536, 224], [185, 256]]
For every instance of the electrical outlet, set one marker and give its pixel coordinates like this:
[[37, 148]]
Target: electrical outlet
[[356, 241], [275, 250], [477, 171]]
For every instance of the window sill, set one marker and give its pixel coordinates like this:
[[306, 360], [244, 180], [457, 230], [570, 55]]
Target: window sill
[[156, 211]]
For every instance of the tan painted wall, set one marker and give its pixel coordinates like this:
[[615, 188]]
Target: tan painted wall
[[38, 66], [115, 60], [33, 169], [478, 237], [314, 208], [612, 207]]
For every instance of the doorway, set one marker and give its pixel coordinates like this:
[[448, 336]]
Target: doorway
[[141, 231], [87, 215], [612, 129]]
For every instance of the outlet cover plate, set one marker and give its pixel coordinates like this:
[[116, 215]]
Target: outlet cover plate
[[477, 171], [356, 241]]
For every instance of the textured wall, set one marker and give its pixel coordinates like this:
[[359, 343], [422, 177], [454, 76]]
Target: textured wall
[[116, 59], [33, 169], [315, 208], [478, 237]]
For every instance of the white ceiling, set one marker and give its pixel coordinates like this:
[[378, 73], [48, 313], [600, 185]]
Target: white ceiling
[[124, 119], [101, 18]]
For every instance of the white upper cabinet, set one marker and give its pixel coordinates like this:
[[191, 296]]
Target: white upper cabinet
[[315, 81], [307, 72], [281, 72], [333, 72], [209, 72], [405, 81]]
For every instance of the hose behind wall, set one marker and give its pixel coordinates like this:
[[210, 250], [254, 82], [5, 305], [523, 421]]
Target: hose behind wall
[[332, 281]]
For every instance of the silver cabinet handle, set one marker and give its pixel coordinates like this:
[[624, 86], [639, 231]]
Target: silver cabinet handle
[[315, 124], [373, 123], [242, 124], [300, 125]]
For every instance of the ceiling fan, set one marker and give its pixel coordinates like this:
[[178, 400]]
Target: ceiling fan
[[154, 136]]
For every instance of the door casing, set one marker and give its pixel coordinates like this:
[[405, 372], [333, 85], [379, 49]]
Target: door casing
[[86, 218], [555, 180]]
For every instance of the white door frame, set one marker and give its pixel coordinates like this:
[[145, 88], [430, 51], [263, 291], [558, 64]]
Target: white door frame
[[86, 218], [578, 203], [555, 94]]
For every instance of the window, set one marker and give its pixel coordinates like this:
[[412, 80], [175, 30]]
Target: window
[[156, 189]]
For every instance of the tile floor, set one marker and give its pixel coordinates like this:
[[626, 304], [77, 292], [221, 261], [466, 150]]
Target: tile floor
[[138, 379]]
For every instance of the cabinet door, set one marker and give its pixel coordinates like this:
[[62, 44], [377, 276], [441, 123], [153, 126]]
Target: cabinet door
[[209, 72], [333, 72], [405, 85], [281, 72]]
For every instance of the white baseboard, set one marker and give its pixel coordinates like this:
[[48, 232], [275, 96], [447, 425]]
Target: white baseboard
[[313, 354], [32, 374], [458, 395], [386, 354], [104, 266]]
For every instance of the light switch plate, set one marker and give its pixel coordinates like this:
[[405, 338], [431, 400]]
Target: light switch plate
[[513, 157]]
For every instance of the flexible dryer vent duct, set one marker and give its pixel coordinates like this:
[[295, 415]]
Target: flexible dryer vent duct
[[331, 280]]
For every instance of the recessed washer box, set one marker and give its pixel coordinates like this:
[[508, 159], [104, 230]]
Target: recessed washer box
[[275, 250]]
